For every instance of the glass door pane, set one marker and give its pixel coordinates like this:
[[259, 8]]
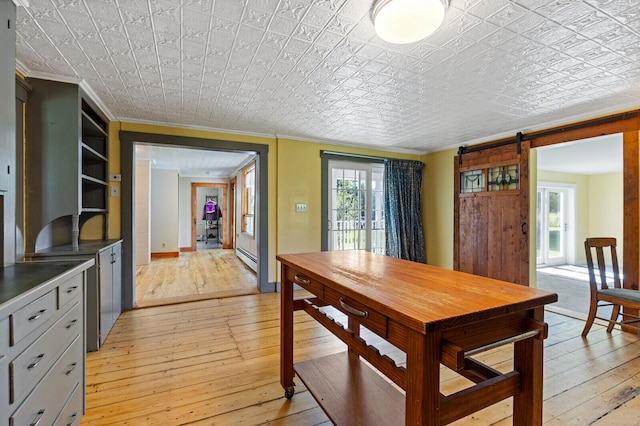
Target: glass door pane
[[555, 228], [551, 226], [356, 207]]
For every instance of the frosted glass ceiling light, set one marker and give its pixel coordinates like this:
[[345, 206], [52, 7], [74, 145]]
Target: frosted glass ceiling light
[[407, 21]]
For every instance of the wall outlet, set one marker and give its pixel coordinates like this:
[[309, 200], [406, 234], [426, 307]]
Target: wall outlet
[[300, 207]]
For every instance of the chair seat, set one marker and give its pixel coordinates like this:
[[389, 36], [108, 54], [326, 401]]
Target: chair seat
[[622, 293]]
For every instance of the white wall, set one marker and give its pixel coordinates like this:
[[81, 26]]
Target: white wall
[[143, 208], [164, 211], [185, 206]]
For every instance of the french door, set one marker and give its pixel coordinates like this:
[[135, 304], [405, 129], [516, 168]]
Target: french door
[[552, 225], [355, 219]]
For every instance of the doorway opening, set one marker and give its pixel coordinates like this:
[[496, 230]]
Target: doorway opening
[[209, 214], [182, 203], [580, 195], [257, 152]]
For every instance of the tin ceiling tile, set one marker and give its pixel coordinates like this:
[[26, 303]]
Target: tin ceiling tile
[[495, 65]]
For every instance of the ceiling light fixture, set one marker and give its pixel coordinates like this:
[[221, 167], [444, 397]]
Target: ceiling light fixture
[[407, 21]]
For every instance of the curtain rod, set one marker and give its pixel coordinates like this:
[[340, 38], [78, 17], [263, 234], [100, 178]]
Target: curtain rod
[[520, 137], [346, 154]]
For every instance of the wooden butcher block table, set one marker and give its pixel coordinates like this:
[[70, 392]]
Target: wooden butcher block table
[[435, 316]]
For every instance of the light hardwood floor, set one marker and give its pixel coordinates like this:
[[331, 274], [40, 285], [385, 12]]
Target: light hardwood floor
[[203, 274], [216, 362]]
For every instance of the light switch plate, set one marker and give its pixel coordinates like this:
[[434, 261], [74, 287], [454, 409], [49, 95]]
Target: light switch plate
[[300, 207]]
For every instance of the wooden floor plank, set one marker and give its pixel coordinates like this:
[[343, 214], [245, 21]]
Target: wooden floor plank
[[216, 362], [197, 275]]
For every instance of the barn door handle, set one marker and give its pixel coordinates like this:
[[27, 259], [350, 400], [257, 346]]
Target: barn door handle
[[524, 228]]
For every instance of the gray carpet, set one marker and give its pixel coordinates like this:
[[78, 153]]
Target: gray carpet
[[571, 283]]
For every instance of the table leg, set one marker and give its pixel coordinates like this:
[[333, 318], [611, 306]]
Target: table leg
[[423, 379], [286, 334], [527, 404]]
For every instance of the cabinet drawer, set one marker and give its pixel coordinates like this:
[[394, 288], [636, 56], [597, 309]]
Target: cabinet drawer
[[31, 316], [371, 319], [305, 282], [72, 411], [46, 401], [70, 290], [4, 369], [28, 367]]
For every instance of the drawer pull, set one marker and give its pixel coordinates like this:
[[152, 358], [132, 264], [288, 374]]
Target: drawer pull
[[35, 362], [300, 280], [72, 289], [354, 311], [72, 419], [37, 418], [71, 324], [72, 367], [37, 315]]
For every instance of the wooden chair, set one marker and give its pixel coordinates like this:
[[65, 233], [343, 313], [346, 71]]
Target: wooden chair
[[614, 296]]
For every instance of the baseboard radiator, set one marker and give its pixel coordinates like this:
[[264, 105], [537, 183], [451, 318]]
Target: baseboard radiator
[[249, 259]]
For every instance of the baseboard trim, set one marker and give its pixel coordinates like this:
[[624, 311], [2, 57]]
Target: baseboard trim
[[165, 255], [186, 249], [249, 259]]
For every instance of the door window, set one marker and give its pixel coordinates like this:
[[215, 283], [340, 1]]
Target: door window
[[356, 206]]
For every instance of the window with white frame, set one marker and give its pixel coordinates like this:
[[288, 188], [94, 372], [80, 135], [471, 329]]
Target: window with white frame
[[249, 199]]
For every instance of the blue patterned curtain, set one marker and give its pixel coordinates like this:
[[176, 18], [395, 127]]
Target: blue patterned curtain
[[404, 238]]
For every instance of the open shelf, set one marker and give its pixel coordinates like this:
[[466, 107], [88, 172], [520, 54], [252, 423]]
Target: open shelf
[[351, 392]]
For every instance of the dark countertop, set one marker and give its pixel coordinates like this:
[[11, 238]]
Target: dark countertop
[[21, 278], [85, 249]]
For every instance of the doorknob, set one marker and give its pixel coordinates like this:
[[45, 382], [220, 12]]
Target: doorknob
[[524, 228]]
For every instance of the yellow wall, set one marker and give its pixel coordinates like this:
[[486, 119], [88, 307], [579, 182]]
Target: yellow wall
[[437, 207], [115, 203], [606, 208]]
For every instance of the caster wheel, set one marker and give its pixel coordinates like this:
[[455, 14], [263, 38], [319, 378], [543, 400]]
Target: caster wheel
[[288, 392]]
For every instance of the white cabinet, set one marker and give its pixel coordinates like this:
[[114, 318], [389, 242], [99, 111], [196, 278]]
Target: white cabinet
[[42, 343]]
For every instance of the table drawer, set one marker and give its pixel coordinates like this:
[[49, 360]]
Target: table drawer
[[28, 367], [70, 290], [31, 316], [368, 317], [72, 411], [47, 400], [305, 282]]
